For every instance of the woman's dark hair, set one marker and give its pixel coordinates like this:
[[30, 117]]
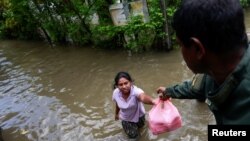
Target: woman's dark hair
[[119, 75], [218, 24]]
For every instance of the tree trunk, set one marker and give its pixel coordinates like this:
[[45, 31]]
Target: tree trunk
[[167, 40], [40, 23]]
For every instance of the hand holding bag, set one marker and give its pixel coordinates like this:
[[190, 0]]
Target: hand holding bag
[[164, 117]]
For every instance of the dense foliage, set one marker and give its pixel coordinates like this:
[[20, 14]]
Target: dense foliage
[[72, 21]]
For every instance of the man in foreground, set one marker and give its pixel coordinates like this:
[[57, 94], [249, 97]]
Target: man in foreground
[[214, 45]]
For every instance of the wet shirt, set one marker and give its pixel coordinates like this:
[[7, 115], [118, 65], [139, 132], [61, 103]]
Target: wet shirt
[[131, 108]]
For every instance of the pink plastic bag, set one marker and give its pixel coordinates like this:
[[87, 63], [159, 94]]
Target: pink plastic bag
[[164, 117]]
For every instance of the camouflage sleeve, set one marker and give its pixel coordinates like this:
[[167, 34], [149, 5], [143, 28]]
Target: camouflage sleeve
[[188, 89]]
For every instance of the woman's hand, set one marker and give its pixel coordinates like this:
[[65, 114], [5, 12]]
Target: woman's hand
[[154, 101], [161, 93]]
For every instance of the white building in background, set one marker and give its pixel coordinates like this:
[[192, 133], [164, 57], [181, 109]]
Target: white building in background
[[120, 11]]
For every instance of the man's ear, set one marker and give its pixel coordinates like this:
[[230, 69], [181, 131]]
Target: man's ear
[[200, 49]]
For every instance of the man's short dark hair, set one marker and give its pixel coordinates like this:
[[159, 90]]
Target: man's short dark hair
[[218, 24]]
